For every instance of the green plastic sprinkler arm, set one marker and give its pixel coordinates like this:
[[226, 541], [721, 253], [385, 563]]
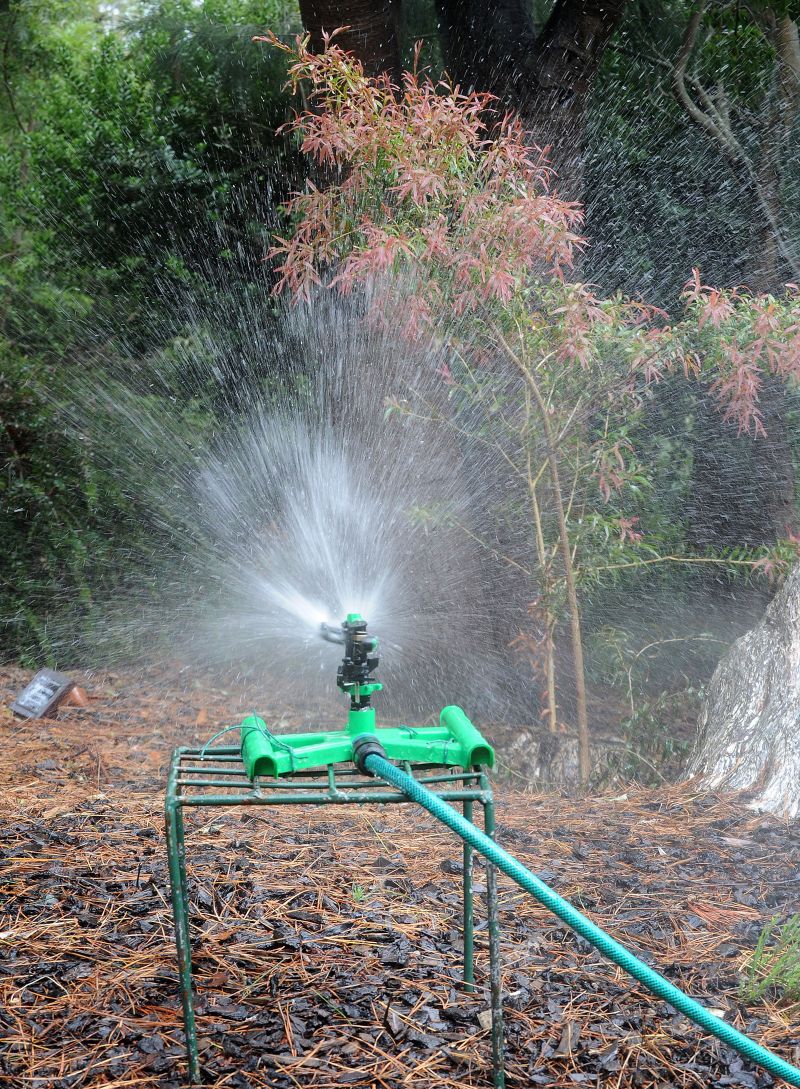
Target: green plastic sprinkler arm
[[610, 948]]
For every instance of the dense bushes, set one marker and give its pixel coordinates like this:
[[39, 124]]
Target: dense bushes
[[139, 175]]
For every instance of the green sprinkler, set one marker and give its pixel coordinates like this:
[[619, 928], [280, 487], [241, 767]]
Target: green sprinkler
[[455, 742]]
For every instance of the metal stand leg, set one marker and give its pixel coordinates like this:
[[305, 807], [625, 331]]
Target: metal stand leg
[[469, 910], [498, 1048], [182, 863], [177, 876]]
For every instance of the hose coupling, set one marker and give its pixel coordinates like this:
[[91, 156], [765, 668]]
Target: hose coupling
[[364, 746]]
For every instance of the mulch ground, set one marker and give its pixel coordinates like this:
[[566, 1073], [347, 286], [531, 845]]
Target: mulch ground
[[326, 941]]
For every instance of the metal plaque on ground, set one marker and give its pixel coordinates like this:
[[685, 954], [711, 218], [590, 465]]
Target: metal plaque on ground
[[42, 694]]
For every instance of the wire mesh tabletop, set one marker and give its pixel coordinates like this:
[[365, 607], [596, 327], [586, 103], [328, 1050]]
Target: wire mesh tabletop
[[217, 777]]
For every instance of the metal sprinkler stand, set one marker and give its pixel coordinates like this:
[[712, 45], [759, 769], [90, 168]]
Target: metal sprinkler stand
[[303, 769]]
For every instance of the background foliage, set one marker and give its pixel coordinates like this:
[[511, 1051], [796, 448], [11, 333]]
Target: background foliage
[[140, 170]]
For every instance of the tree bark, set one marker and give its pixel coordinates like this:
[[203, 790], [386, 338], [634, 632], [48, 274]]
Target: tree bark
[[749, 737], [371, 32], [545, 75]]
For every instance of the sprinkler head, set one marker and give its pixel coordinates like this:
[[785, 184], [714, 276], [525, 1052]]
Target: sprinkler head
[[360, 659]]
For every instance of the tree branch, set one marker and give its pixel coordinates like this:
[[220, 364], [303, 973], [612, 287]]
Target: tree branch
[[713, 115]]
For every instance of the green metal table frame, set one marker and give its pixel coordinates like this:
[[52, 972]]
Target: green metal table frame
[[216, 777]]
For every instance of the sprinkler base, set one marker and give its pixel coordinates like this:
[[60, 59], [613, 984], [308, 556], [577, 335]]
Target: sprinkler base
[[455, 742]]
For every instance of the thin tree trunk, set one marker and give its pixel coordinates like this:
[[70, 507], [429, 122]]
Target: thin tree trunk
[[550, 665], [573, 608]]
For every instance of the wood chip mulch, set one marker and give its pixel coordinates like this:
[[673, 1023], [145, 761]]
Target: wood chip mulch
[[327, 940]]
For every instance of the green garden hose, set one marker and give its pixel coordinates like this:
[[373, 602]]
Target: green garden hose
[[610, 948]]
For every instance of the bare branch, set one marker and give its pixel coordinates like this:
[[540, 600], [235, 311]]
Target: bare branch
[[712, 114]]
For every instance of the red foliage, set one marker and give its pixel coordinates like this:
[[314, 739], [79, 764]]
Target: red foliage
[[610, 467], [434, 183], [627, 530], [432, 180], [755, 336]]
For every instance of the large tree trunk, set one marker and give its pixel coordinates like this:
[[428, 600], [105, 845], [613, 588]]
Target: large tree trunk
[[546, 76], [371, 32], [749, 735]]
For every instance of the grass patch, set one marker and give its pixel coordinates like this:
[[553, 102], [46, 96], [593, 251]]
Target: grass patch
[[775, 963]]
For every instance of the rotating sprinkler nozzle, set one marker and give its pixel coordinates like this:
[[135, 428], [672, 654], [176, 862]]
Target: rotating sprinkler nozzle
[[360, 659]]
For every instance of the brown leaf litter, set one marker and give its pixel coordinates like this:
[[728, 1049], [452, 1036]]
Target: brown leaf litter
[[327, 941]]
